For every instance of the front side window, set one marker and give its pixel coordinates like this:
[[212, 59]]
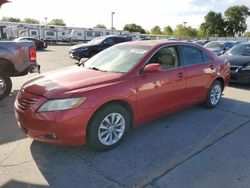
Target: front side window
[[167, 57], [191, 55]]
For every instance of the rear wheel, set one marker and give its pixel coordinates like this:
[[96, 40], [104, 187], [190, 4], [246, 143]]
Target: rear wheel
[[5, 85], [108, 127], [214, 94]]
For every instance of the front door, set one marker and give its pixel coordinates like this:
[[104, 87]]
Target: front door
[[164, 91]]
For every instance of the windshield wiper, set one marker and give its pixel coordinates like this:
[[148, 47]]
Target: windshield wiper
[[97, 69]]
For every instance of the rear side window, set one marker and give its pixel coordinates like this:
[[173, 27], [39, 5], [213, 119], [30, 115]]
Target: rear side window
[[191, 55], [206, 57], [119, 40]]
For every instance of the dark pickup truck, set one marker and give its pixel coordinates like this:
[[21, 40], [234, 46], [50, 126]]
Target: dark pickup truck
[[16, 59]]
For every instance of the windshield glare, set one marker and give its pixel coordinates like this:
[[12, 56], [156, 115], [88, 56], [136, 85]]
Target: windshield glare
[[118, 58], [240, 49], [97, 40], [214, 45]]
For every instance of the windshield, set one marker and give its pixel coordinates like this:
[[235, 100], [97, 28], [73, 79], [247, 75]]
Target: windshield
[[240, 49], [214, 44], [118, 58], [97, 40]]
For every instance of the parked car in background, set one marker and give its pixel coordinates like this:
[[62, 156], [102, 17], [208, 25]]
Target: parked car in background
[[95, 46], [16, 59], [201, 42], [121, 87], [40, 44], [239, 58], [220, 47]]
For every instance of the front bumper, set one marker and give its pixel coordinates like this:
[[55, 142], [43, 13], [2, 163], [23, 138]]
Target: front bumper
[[66, 128]]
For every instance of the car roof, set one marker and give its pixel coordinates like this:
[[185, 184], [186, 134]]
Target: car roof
[[155, 43]]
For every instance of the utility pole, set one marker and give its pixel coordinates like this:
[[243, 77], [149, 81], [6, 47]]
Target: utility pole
[[112, 15]]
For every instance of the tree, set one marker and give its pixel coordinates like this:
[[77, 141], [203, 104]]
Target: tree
[[167, 30], [202, 32], [183, 31], [134, 28], [10, 19], [235, 19], [100, 26], [214, 24], [156, 30], [57, 22], [31, 21], [247, 34]]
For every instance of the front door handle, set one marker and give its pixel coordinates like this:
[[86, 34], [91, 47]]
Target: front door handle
[[180, 75]]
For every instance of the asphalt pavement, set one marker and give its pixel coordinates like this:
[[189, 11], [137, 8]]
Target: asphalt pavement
[[195, 147]]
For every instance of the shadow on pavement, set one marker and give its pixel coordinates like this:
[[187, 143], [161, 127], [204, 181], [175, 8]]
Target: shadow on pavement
[[19, 184], [240, 86], [148, 152], [9, 130]]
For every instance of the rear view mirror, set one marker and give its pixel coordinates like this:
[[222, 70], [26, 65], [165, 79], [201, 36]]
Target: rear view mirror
[[152, 67]]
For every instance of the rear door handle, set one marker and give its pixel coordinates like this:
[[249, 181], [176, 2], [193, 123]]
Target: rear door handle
[[180, 75]]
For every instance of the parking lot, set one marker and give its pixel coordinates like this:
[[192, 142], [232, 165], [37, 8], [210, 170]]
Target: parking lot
[[195, 147]]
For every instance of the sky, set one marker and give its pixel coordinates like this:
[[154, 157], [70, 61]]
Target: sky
[[81, 13]]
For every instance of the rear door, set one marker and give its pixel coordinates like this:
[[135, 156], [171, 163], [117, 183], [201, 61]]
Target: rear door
[[200, 71], [164, 91]]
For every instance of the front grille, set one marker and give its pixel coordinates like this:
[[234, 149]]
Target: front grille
[[25, 103]]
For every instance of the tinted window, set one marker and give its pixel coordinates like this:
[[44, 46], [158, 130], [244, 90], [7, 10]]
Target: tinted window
[[119, 40], [206, 57], [167, 57], [109, 41], [191, 55]]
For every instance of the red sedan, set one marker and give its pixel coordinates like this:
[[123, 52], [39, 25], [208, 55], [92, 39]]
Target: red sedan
[[121, 87]]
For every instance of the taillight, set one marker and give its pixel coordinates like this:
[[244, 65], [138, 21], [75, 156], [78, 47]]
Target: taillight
[[32, 53]]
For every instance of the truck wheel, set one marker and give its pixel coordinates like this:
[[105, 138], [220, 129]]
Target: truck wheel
[[5, 85]]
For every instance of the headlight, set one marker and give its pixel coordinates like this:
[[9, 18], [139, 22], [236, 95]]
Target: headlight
[[61, 104]]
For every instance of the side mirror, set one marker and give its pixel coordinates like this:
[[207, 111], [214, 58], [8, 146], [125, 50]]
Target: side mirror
[[151, 68]]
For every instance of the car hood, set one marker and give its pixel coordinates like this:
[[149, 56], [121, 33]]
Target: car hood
[[236, 59], [81, 46], [214, 49], [68, 81]]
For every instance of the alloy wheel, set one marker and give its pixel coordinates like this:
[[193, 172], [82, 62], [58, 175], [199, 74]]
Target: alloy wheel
[[111, 129]]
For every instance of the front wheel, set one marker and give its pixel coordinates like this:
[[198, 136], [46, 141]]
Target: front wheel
[[108, 127], [5, 85], [214, 94]]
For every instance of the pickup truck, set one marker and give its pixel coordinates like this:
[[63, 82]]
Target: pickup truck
[[16, 59]]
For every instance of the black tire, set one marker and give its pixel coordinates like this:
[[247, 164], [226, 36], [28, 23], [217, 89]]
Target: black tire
[[99, 117], [5, 85], [209, 103]]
